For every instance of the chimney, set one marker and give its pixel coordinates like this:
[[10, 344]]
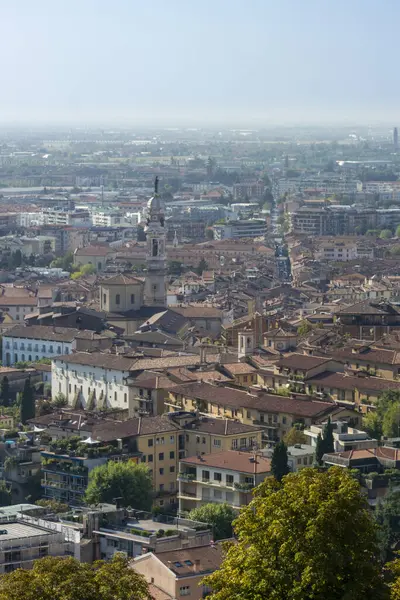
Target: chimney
[[197, 564]]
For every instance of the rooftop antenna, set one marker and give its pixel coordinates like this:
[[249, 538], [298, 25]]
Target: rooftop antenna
[[156, 186]]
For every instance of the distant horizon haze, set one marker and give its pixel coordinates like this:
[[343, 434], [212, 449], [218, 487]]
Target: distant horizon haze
[[219, 63]]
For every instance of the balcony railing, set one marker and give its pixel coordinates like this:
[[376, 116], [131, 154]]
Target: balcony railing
[[186, 476], [244, 487]]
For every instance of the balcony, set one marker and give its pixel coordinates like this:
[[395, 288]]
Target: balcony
[[244, 487], [186, 476]]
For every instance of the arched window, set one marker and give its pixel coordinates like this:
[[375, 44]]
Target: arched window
[[117, 299], [154, 251]]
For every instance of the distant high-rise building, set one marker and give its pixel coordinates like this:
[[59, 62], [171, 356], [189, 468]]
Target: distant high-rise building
[[395, 138]]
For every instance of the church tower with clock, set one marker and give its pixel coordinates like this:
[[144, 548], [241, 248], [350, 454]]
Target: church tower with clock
[[155, 293]]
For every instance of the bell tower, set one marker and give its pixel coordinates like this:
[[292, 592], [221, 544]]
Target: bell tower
[[155, 289]]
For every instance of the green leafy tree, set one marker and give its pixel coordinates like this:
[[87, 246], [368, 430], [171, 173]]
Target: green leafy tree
[[310, 537], [58, 578], [27, 402], [385, 234], [5, 391], [398, 231], [304, 328], [386, 419], [53, 506], [219, 516], [126, 480], [387, 515], [279, 461], [294, 436], [60, 400], [372, 424], [329, 444]]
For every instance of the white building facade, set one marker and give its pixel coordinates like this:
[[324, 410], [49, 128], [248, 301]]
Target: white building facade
[[92, 380], [20, 348]]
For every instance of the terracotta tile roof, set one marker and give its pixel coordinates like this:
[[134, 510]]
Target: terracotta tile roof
[[370, 307], [197, 312], [121, 279], [99, 359], [346, 382], [43, 332], [232, 460], [302, 361], [368, 354], [18, 301], [221, 426], [240, 369], [158, 594], [233, 398], [94, 251], [192, 561], [208, 375]]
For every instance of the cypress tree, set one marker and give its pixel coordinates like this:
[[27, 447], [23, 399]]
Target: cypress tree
[[5, 391], [319, 450], [279, 461], [27, 402], [329, 444]]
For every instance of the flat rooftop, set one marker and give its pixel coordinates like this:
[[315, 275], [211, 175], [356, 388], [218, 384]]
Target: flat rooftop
[[19, 530]]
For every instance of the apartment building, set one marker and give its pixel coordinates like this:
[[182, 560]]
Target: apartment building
[[249, 189], [250, 228], [220, 477], [17, 306], [107, 219], [93, 380], [344, 437], [178, 573], [21, 543], [22, 343], [274, 414]]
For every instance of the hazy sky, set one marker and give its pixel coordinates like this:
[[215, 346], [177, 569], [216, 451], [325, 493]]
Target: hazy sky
[[190, 61]]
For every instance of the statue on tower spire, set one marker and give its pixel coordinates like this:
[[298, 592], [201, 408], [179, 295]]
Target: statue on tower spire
[[156, 186]]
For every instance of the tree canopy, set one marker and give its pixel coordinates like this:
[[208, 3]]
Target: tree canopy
[[57, 578], [387, 514], [220, 516], [311, 536], [294, 436], [385, 234], [385, 419], [126, 480]]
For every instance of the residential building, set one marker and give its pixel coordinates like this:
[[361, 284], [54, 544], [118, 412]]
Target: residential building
[[241, 373], [96, 256], [344, 437], [179, 573], [275, 414], [250, 228], [369, 320], [26, 344], [17, 307], [300, 456], [220, 477], [249, 189], [93, 380], [22, 542]]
